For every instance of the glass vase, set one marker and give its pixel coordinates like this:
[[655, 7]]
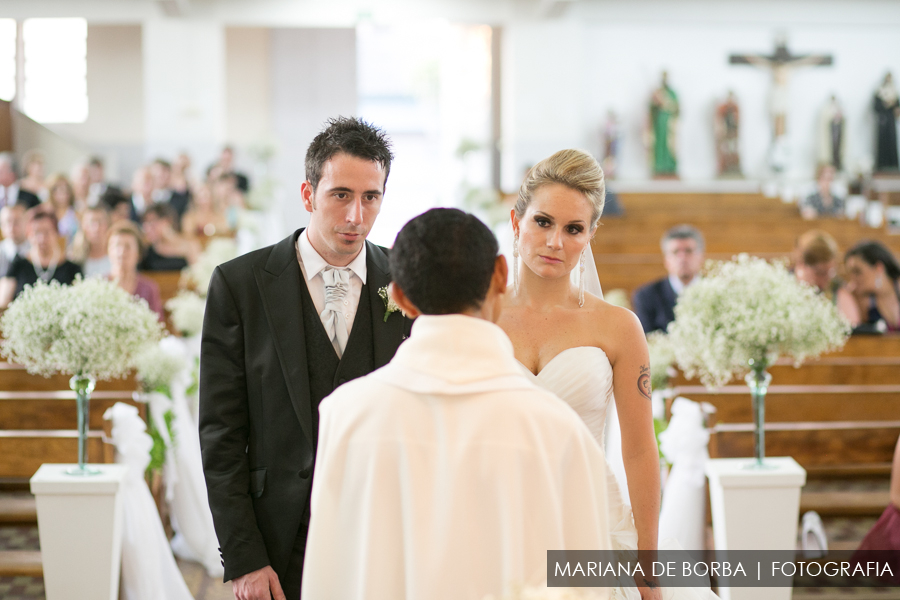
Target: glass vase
[[82, 385], [758, 379]]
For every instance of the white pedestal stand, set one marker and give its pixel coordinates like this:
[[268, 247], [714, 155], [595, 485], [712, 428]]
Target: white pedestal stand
[[755, 509], [80, 527]]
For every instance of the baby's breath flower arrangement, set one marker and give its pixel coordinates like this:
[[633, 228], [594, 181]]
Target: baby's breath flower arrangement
[[156, 368], [218, 251], [91, 330], [742, 316], [662, 357], [187, 309]]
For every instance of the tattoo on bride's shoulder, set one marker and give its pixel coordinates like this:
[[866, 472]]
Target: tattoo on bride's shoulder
[[644, 382]]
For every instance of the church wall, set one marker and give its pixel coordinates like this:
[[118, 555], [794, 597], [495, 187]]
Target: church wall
[[563, 77]]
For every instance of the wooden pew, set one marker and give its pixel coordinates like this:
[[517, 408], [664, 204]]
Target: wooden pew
[[838, 415], [39, 421]]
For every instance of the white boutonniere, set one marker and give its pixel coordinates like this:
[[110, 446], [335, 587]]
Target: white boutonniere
[[389, 305]]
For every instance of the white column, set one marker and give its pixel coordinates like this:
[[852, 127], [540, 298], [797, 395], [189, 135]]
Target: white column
[[184, 89], [80, 527], [755, 509]]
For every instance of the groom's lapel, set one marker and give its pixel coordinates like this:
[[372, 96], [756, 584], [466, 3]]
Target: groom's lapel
[[387, 335], [279, 283]]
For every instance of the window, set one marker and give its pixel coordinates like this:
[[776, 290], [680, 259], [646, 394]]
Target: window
[[7, 59], [55, 70]]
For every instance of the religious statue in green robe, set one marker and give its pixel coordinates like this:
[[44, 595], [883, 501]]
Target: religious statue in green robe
[[663, 129]]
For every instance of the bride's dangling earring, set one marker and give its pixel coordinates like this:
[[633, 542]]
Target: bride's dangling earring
[[516, 264], [581, 280]]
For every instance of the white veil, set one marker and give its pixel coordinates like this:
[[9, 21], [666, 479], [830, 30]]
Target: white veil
[[591, 276]]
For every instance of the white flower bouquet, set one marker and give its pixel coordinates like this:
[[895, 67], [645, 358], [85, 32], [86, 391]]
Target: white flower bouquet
[[156, 368], [92, 328], [750, 310], [218, 251], [662, 357], [187, 309]]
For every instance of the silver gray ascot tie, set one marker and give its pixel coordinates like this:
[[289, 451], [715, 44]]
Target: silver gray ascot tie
[[337, 307]]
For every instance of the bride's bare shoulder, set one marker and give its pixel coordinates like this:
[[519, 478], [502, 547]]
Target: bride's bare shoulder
[[613, 320]]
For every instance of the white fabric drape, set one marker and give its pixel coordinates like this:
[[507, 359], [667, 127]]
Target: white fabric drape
[[149, 571], [684, 443]]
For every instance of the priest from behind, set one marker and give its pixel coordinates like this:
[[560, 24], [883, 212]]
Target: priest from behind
[[448, 474]]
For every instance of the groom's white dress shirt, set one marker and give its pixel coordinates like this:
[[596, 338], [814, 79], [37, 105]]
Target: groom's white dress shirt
[[312, 264], [447, 474]]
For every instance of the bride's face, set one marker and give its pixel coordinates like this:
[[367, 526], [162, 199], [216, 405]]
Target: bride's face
[[554, 230]]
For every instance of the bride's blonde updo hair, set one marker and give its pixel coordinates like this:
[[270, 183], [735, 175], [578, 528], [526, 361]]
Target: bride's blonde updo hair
[[574, 169]]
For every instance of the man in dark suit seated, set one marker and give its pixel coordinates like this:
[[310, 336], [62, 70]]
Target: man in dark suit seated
[[284, 327], [10, 192], [654, 304]]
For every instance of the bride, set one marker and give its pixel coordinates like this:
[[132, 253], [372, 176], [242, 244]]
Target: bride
[[578, 346]]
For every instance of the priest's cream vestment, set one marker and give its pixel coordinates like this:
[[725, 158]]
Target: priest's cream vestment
[[447, 474]]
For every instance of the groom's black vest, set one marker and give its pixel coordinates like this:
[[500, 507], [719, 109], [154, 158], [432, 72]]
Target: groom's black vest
[[326, 370]]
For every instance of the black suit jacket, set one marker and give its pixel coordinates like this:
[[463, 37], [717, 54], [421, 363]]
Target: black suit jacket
[[654, 304], [256, 427]]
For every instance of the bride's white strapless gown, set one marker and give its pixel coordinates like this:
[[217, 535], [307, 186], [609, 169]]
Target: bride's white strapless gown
[[583, 378]]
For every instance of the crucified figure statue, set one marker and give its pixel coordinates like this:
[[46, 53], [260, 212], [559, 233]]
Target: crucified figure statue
[[781, 63]]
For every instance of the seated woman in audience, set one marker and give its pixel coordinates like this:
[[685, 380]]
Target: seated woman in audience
[[45, 259], [126, 247], [816, 264], [885, 533], [33, 181], [168, 250], [89, 247], [62, 202], [229, 197], [204, 217], [874, 279], [823, 202]]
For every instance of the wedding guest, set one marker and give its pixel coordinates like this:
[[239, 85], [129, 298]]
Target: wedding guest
[[885, 533], [10, 192], [815, 264], [126, 247], [33, 181], [81, 185], [89, 246], [168, 250], [161, 172], [682, 247], [98, 183], [118, 205], [281, 305], [873, 275], [45, 260], [226, 167], [62, 202], [474, 513], [182, 182], [228, 196], [15, 240], [205, 217], [141, 193], [823, 202]]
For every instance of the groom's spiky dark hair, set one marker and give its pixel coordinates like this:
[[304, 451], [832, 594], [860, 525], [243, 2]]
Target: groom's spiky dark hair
[[351, 136], [443, 260]]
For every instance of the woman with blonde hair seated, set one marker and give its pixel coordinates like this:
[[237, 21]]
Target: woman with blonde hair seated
[[89, 246], [127, 246], [815, 263]]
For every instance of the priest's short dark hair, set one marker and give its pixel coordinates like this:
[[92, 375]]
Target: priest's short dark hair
[[443, 260]]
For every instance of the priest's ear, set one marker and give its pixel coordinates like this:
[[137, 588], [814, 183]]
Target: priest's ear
[[408, 309]]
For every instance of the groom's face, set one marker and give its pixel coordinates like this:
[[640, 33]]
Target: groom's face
[[343, 206]]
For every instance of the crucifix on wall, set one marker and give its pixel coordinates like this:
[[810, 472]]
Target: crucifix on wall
[[781, 63]]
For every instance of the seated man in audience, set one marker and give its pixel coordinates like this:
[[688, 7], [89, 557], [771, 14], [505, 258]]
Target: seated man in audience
[[447, 474], [654, 304], [12, 228], [169, 250], [161, 172], [823, 202], [10, 192], [45, 260], [141, 193]]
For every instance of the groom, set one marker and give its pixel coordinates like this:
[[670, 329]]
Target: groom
[[448, 474], [285, 326]]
